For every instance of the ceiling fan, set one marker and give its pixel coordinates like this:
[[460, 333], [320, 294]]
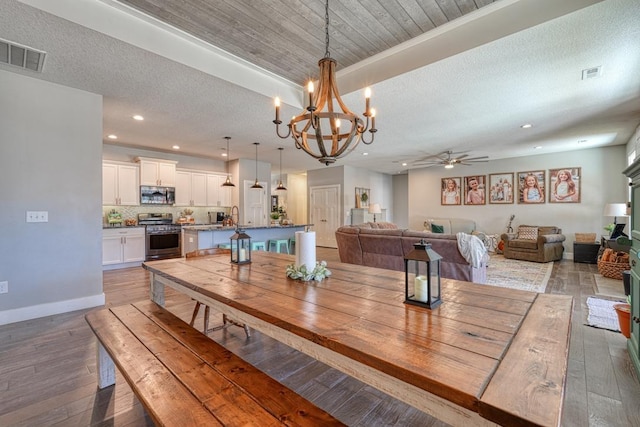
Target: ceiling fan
[[449, 159]]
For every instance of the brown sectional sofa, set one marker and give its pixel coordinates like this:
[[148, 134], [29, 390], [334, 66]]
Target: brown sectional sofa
[[385, 247]]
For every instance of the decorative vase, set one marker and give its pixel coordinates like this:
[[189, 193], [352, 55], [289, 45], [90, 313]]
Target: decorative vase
[[623, 311]]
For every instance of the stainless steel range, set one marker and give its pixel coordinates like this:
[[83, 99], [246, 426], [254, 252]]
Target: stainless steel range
[[163, 236]]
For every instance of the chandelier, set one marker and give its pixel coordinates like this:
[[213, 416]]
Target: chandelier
[[328, 134]]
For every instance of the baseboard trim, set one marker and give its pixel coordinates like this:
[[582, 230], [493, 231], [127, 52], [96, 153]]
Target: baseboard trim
[[49, 309]]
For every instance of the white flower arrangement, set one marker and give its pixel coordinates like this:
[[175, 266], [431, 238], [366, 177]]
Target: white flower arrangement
[[318, 273]]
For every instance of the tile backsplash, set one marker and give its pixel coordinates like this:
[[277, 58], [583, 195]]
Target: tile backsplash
[[200, 214]]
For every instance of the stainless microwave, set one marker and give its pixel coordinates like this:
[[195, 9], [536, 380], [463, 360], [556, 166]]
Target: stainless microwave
[[150, 195]]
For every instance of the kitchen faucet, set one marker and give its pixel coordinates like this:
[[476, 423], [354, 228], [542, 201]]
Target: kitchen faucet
[[235, 215]]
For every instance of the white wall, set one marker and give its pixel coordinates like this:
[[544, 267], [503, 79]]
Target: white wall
[[50, 160], [400, 204], [602, 182]]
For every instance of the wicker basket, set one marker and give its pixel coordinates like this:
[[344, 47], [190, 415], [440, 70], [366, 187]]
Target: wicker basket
[[585, 237], [612, 270]]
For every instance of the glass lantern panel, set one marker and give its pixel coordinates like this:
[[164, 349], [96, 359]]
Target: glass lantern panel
[[435, 281]]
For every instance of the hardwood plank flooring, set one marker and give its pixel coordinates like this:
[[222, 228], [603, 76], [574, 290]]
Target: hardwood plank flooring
[[47, 367]]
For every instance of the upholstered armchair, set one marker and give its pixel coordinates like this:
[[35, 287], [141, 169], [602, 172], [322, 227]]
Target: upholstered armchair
[[534, 243]]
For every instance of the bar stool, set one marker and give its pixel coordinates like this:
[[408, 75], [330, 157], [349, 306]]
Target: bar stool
[[224, 245], [278, 245], [292, 245], [258, 246]]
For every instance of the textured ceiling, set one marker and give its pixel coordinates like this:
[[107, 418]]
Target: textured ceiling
[[466, 85]]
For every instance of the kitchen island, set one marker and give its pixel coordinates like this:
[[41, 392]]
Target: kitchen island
[[196, 237]]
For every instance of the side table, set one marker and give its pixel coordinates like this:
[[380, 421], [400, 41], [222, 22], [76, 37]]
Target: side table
[[586, 252]]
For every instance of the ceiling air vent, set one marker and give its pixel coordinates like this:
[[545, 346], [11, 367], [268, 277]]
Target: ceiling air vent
[[592, 73], [21, 56]]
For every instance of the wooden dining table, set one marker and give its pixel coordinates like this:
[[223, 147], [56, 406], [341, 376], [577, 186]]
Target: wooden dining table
[[486, 356]]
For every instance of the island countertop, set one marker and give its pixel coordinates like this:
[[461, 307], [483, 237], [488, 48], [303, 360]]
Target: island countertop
[[212, 235], [215, 227]]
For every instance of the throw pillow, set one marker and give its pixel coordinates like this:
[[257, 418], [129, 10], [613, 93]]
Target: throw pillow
[[435, 228], [527, 233]]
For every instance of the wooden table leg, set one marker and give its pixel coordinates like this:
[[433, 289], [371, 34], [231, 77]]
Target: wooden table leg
[[156, 289], [106, 370]]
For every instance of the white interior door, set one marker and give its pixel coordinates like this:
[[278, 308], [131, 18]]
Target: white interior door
[[325, 214], [255, 205]]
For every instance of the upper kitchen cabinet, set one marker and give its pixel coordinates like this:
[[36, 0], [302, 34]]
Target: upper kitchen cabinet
[[217, 195], [157, 172], [120, 184], [191, 188]]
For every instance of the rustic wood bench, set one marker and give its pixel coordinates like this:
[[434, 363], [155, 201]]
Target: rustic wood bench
[[184, 378]]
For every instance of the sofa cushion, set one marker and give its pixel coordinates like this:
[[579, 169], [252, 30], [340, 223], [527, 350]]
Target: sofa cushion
[[527, 233], [523, 244], [451, 225], [383, 225]]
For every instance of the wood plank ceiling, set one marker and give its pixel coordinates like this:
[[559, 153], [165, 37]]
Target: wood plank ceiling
[[287, 37]]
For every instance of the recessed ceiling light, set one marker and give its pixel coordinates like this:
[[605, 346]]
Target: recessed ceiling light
[[224, 154], [176, 147], [404, 164], [365, 154], [526, 126], [138, 117], [537, 147], [112, 136]]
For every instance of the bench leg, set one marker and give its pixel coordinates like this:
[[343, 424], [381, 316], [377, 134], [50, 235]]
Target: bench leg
[[106, 369]]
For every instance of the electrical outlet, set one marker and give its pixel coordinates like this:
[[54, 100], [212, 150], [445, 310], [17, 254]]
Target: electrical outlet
[[37, 216], [4, 287]]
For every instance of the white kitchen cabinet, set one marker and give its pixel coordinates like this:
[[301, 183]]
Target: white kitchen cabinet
[[217, 195], [157, 172], [120, 184], [191, 188], [121, 246]]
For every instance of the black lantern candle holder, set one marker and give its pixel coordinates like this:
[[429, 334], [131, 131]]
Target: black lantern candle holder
[[422, 276], [240, 247]]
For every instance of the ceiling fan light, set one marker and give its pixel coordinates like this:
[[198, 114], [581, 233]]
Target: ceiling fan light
[[448, 166]]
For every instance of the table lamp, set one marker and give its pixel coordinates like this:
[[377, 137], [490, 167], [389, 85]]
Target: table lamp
[[615, 210], [374, 209]]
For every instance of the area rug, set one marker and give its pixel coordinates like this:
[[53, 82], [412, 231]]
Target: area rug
[[609, 287], [516, 274], [602, 314]]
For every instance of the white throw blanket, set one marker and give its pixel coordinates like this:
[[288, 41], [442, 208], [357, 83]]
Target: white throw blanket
[[472, 249]]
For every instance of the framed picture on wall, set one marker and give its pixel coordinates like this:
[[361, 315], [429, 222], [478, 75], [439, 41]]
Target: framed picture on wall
[[475, 189], [451, 191], [500, 188], [564, 185], [531, 187]]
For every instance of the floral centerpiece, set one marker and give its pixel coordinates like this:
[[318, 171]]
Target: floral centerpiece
[[301, 273]]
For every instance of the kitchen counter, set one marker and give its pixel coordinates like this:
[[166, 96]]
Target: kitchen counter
[[111, 227], [211, 235], [216, 227]]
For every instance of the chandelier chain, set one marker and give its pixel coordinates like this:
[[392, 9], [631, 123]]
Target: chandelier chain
[[326, 30]]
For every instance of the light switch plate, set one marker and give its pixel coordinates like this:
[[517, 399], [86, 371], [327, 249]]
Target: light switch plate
[[4, 287], [37, 216]]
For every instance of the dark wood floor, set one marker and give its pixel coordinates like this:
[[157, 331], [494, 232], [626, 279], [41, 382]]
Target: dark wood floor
[[47, 367]]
